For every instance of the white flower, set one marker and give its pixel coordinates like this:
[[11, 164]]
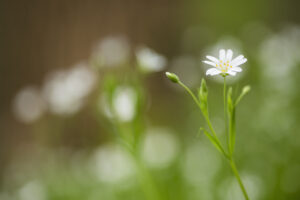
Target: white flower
[[112, 51], [160, 147], [65, 90], [225, 65], [149, 60], [111, 164], [124, 103], [29, 105]]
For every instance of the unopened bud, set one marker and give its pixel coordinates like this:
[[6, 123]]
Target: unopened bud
[[172, 77], [203, 91], [246, 89]]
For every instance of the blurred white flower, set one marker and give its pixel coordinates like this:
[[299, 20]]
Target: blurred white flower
[[225, 65], [65, 90], [112, 164], [28, 105], [160, 147], [123, 105], [279, 55], [111, 51], [33, 190], [150, 61]]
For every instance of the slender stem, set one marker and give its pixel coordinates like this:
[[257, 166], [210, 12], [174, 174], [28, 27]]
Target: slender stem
[[205, 116], [225, 113], [238, 178], [215, 135], [239, 99], [149, 186], [190, 92], [147, 182], [224, 98], [229, 157]]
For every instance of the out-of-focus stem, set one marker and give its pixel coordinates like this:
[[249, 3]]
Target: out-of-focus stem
[[190, 92], [238, 178], [149, 186]]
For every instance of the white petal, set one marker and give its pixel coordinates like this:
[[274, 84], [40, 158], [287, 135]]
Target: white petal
[[232, 73], [222, 54], [240, 57], [210, 63], [215, 60], [229, 55], [213, 71], [239, 62], [236, 69]]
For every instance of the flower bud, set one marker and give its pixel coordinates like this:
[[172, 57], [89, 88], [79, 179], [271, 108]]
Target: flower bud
[[203, 91], [172, 77], [246, 89]]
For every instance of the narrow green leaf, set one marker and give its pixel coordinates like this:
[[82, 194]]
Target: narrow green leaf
[[203, 93], [214, 141], [231, 121], [232, 131], [229, 101]]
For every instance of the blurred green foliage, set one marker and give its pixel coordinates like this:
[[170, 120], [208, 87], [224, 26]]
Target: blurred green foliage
[[81, 147]]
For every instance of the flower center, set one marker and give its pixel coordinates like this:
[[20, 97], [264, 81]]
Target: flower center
[[224, 66]]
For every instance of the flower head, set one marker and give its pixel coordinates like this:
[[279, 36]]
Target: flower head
[[225, 65]]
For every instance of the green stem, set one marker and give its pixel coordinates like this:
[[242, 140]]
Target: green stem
[[149, 186], [147, 182], [225, 115], [238, 178], [215, 135], [190, 92], [224, 100], [229, 157], [205, 116]]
